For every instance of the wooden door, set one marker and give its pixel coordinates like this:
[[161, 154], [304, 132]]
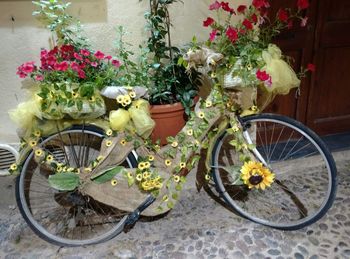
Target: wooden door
[[324, 103]]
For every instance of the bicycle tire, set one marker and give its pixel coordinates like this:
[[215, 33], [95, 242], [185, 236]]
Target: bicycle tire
[[233, 195], [25, 204]]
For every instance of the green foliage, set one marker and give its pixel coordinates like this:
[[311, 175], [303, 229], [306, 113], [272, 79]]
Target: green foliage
[[108, 175], [64, 181]]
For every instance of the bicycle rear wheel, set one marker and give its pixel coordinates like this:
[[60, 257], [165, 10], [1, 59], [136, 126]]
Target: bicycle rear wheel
[[67, 218], [305, 173]]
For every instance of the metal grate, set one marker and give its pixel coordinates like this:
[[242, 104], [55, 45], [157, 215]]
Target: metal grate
[[8, 156]]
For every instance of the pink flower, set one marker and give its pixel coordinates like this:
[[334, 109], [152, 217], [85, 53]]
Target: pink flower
[[28, 67], [54, 51], [232, 34], [116, 63], [108, 57], [43, 53], [241, 8], [212, 35], [81, 74], [99, 55], [283, 15], [304, 21], [215, 6], [51, 60], [87, 61], [209, 21], [78, 57], [39, 78], [21, 74], [303, 4], [225, 6], [85, 52], [94, 64], [75, 67], [246, 23], [311, 67], [262, 75]]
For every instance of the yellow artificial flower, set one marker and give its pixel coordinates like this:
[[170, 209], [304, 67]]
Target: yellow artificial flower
[[32, 143], [208, 103], [100, 158], [249, 67], [130, 175], [78, 171], [114, 182], [126, 100], [70, 169], [190, 132], [132, 94], [176, 178], [245, 146], [182, 165], [254, 108], [174, 144], [87, 169], [158, 185], [139, 177], [120, 98], [150, 158], [92, 99], [235, 128], [109, 143], [13, 167], [141, 166], [207, 177], [59, 169], [156, 147], [75, 95], [201, 115], [49, 158], [37, 133], [109, 132], [213, 75], [39, 152], [167, 162], [146, 175], [256, 175], [147, 164], [165, 198], [197, 142], [123, 142]]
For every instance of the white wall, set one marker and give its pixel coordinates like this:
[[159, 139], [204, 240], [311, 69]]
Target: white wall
[[21, 39]]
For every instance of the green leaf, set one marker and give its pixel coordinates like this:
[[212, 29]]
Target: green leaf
[[108, 175], [170, 205], [64, 181]]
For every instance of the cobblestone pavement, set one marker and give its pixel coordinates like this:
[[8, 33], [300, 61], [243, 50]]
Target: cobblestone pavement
[[198, 227]]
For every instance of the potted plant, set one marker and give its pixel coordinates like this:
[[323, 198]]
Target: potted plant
[[172, 90]]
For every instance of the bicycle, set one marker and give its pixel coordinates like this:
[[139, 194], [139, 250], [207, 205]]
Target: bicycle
[[283, 196]]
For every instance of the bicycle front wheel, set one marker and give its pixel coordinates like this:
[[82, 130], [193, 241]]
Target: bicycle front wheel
[[305, 173], [67, 218]]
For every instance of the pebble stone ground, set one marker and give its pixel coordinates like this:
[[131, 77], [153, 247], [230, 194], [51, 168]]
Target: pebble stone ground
[[198, 227]]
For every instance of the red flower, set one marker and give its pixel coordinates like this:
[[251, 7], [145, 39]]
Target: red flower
[[209, 21], [303, 4], [28, 67], [51, 60], [254, 18], [54, 51], [246, 23], [21, 74], [108, 57], [63, 66], [232, 34], [43, 53], [116, 63], [262, 75], [81, 74], [67, 48], [85, 52], [283, 15], [311, 67], [39, 78], [99, 55], [215, 6], [225, 6], [75, 67], [241, 8], [261, 3], [87, 61], [78, 57], [212, 35]]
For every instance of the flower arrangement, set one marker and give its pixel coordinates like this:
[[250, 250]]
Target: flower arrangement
[[249, 57]]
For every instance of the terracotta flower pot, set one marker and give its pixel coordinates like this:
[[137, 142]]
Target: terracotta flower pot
[[169, 118]]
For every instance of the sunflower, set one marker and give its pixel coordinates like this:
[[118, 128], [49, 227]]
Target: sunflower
[[126, 100], [174, 144], [37, 133], [182, 165], [254, 174], [139, 177], [141, 166], [114, 182], [39, 152], [120, 98], [207, 177], [201, 115], [147, 164], [146, 175], [109, 132], [176, 178], [92, 99], [208, 103], [32, 143], [49, 158], [123, 142], [75, 95], [132, 94], [13, 167], [167, 162], [190, 132], [109, 143], [150, 158]]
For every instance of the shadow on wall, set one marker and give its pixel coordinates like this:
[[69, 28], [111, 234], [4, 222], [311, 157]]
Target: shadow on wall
[[14, 13]]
